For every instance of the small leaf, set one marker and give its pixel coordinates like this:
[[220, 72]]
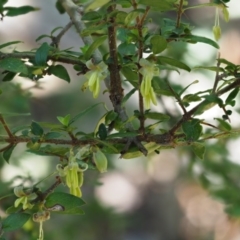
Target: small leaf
[[173, 62], [51, 135], [157, 116], [94, 46], [102, 131], [192, 129], [42, 54], [71, 204], [232, 95], [13, 65], [199, 149], [59, 71], [9, 43], [127, 96], [64, 120], [127, 49], [36, 129], [208, 41], [223, 125], [8, 152], [92, 16], [163, 5], [15, 11], [15, 221], [159, 44], [9, 76], [42, 36], [79, 115]]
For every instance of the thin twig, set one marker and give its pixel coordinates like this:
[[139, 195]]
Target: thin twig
[[179, 13], [217, 78], [6, 127], [56, 40]]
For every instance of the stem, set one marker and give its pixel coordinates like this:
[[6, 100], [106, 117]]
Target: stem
[[6, 127], [140, 56], [179, 13]]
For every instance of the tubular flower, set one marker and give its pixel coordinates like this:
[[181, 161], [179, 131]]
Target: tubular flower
[[41, 217], [96, 74], [72, 174], [148, 70], [24, 197], [216, 28]]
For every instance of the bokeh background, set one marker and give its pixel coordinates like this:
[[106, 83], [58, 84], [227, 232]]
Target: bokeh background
[[161, 197]]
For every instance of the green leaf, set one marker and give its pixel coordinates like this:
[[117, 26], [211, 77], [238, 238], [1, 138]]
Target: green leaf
[[42, 36], [158, 43], [15, 221], [122, 135], [191, 98], [110, 116], [55, 29], [199, 149], [163, 5], [192, 129], [232, 95], [9, 43], [59, 71], [13, 65], [127, 49], [92, 16], [223, 125], [8, 152], [102, 131], [127, 96], [173, 62], [130, 75], [15, 11], [9, 76], [64, 120], [59, 7], [157, 116], [50, 151], [94, 46], [161, 87], [213, 68], [196, 39], [79, 115], [36, 129], [70, 204], [51, 135], [42, 54]]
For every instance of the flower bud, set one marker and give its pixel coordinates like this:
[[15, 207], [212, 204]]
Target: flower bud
[[100, 160]]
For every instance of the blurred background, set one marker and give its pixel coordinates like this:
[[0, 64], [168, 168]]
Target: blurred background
[[162, 197]]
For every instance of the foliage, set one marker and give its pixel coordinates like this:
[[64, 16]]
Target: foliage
[[126, 53]]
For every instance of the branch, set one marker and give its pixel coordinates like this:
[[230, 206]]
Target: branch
[[56, 40], [6, 126], [186, 116]]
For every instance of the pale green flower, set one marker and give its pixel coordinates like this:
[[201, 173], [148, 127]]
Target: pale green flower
[[148, 70], [24, 197], [216, 28], [72, 175], [96, 74]]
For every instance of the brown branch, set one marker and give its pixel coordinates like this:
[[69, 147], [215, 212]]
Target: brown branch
[[6, 126], [54, 57], [179, 13], [140, 56]]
